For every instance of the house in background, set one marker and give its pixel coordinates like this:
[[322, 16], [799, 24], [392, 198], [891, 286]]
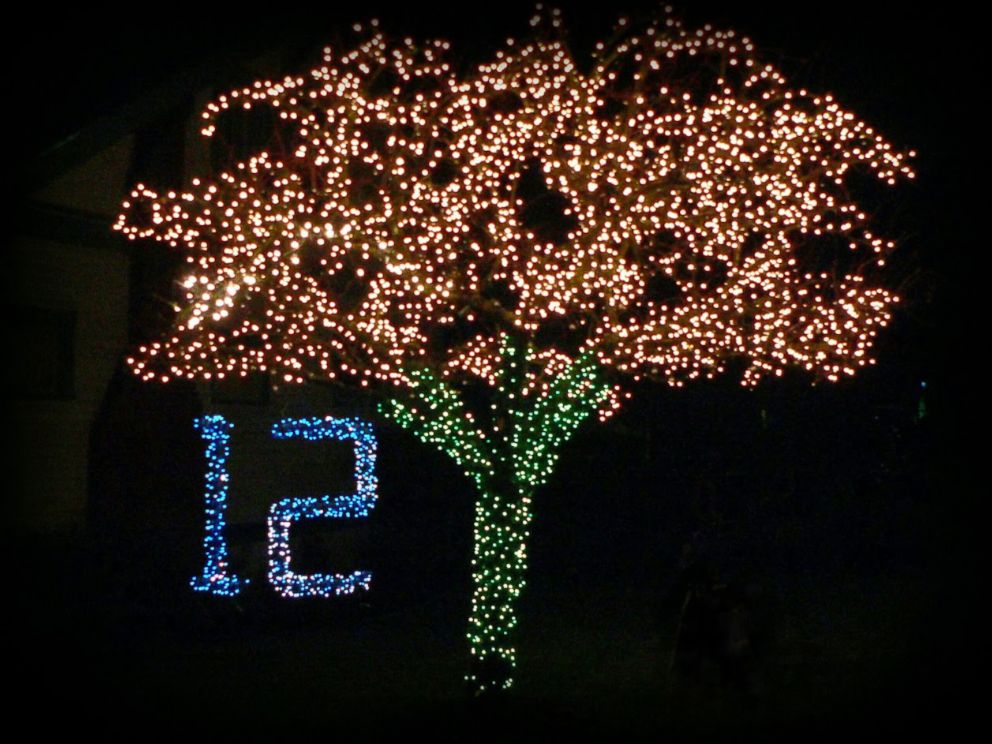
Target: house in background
[[67, 284], [98, 452]]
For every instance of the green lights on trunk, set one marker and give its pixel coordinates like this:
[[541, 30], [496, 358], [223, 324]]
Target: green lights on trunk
[[508, 459]]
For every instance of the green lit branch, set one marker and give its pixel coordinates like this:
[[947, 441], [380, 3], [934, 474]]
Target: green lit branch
[[544, 426], [436, 415]]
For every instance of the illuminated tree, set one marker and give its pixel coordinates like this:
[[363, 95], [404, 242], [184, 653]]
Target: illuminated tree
[[499, 251]]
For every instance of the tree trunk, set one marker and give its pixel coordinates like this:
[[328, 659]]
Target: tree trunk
[[508, 455], [499, 563]]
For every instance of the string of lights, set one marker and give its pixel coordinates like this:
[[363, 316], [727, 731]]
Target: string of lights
[[507, 461], [286, 512], [216, 577], [708, 188]]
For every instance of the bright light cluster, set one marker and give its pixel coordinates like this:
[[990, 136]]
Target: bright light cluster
[[652, 210], [501, 248], [216, 577], [284, 513]]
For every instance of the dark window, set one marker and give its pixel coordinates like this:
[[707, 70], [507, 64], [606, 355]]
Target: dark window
[[45, 344]]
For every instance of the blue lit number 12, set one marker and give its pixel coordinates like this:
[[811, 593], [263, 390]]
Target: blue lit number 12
[[215, 579]]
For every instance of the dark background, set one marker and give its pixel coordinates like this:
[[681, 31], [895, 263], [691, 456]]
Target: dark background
[[858, 520]]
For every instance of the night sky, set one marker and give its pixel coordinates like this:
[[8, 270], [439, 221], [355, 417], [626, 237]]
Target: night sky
[[860, 520]]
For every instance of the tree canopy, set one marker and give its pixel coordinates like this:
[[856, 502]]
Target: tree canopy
[[667, 207]]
